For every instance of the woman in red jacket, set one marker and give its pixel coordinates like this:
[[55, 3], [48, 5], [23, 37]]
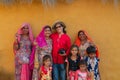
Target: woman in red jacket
[[61, 46]]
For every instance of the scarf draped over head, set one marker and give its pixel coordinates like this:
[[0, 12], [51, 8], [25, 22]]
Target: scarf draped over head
[[78, 42], [19, 32], [41, 41]]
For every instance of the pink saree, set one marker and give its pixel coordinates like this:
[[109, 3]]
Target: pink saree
[[22, 70]]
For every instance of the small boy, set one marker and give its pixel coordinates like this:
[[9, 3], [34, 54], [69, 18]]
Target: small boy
[[93, 62]]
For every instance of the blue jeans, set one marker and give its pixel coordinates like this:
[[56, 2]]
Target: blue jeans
[[58, 72]]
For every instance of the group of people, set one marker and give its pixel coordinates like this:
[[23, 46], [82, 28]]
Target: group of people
[[50, 56]]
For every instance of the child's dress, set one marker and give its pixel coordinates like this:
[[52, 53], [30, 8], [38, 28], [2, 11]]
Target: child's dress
[[81, 75], [93, 67], [73, 66], [46, 74]]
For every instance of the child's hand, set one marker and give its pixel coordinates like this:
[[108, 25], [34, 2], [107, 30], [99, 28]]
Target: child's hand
[[89, 74], [92, 75], [68, 78]]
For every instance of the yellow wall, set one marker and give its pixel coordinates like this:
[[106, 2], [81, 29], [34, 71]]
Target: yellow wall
[[102, 22]]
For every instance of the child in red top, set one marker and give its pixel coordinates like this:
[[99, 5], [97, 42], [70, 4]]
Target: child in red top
[[82, 73], [46, 69]]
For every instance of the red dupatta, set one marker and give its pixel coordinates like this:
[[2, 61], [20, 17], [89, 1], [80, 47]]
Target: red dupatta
[[78, 42]]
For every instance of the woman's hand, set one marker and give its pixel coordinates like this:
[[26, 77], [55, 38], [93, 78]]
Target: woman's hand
[[20, 61], [16, 36], [16, 43], [63, 54], [44, 48], [35, 43], [38, 50]]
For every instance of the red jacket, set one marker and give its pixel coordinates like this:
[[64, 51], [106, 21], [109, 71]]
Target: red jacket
[[58, 43]]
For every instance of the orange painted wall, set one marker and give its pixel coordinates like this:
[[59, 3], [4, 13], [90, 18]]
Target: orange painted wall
[[102, 22]]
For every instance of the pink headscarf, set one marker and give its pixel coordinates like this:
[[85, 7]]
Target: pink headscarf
[[19, 32], [40, 39]]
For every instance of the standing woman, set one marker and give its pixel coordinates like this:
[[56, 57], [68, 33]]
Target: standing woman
[[23, 48], [61, 46], [84, 41], [43, 45]]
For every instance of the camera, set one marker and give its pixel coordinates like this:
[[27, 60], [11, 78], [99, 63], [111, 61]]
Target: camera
[[61, 51]]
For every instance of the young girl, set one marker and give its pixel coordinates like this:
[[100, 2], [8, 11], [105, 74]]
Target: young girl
[[72, 62], [46, 69], [82, 73], [92, 62]]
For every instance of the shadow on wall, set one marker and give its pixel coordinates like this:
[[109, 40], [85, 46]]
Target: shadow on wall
[[4, 75]]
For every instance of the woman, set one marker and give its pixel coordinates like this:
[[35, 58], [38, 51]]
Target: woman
[[43, 44], [61, 46], [84, 41], [23, 48]]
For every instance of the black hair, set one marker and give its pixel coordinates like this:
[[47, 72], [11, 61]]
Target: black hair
[[80, 32], [82, 62], [47, 26], [74, 46], [62, 24], [91, 49], [46, 57]]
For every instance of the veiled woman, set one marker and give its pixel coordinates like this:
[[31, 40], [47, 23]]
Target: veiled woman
[[83, 41], [43, 45], [23, 49]]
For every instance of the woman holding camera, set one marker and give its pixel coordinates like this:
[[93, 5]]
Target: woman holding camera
[[61, 46]]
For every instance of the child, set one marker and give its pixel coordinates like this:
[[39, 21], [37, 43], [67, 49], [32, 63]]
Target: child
[[72, 62], [82, 73], [92, 62], [46, 69]]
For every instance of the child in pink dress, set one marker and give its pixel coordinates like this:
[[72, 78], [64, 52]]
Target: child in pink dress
[[46, 69], [82, 73]]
